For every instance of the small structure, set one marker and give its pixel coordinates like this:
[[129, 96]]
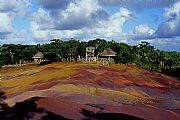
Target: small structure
[[38, 57], [107, 56], [90, 54]]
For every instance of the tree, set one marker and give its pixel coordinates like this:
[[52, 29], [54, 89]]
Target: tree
[[169, 64], [143, 55]]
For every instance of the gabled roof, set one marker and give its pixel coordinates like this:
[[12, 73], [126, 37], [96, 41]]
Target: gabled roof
[[108, 52], [38, 55]]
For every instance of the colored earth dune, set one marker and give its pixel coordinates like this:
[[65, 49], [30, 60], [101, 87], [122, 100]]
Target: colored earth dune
[[91, 91]]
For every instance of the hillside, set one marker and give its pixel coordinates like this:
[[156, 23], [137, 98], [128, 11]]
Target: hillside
[[84, 91]]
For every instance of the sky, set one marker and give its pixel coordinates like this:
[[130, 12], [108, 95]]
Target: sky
[[128, 21]]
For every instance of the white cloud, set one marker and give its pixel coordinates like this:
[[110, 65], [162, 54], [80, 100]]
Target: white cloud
[[171, 27], [68, 23], [15, 6], [80, 19], [21, 37], [54, 4], [142, 31], [41, 20], [77, 15], [67, 33], [138, 4], [5, 23], [46, 35], [40, 35], [112, 27], [86, 19], [43, 29], [169, 44], [9, 9], [143, 28]]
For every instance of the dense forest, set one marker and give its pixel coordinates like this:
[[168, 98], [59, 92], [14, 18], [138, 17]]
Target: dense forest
[[143, 55]]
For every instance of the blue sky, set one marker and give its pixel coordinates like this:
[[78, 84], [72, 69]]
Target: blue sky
[[20, 23], [129, 21]]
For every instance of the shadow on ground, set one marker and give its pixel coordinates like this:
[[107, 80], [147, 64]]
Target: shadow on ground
[[172, 72], [25, 110], [107, 116], [28, 110]]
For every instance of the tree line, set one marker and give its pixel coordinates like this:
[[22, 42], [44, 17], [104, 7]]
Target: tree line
[[144, 54]]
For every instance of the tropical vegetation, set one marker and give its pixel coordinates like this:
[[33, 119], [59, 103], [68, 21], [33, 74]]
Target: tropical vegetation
[[144, 54]]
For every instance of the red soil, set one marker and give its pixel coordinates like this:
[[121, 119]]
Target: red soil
[[42, 86], [118, 85]]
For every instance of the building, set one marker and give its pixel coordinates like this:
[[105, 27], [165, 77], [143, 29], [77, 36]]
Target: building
[[107, 56], [38, 57], [90, 54]]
